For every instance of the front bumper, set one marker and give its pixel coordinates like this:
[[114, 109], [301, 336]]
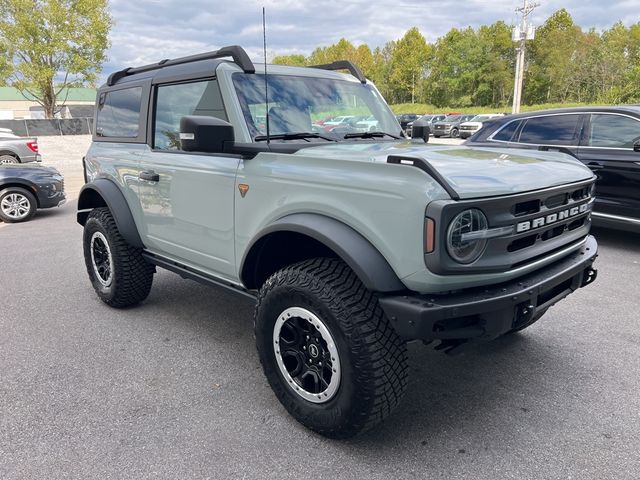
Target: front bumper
[[467, 133], [481, 314]]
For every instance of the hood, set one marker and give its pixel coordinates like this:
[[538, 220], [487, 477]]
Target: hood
[[34, 168], [471, 124], [472, 172]]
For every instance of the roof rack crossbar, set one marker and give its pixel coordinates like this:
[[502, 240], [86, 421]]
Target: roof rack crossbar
[[236, 52], [343, 65]]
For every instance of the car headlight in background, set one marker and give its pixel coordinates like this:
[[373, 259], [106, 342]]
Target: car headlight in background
[[466, 236]]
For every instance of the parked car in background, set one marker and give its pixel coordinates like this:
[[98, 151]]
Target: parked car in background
[[14, 149], [428, 120], [368, 124], [25, 188], [450, 126], [605, 139], [7, 133], [472, 126], [405, 118]]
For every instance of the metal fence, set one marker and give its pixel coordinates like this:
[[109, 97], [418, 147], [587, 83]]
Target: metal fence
[[45, 127]]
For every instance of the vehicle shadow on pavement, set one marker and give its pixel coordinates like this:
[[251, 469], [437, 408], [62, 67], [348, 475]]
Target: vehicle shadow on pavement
[[617, 238], [499, 380]]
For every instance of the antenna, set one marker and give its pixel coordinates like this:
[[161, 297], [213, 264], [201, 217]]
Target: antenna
[[266, 83]]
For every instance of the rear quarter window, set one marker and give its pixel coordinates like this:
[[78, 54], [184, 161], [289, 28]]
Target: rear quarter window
[[119, 113], [506, 133]]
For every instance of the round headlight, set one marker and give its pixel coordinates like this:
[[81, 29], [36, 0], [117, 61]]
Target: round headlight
[[465, 242]]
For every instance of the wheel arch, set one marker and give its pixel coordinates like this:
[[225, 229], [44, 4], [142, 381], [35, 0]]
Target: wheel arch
[[302, 236], [105, 193], [5, 151], [21, 183]]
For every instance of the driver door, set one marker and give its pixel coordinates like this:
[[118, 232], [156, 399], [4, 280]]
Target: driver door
[[187, 197]]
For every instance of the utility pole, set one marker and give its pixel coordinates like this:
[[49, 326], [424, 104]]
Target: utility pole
[[522, 33]]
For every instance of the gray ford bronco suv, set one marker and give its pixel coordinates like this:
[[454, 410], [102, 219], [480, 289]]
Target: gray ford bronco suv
[[351, 243]]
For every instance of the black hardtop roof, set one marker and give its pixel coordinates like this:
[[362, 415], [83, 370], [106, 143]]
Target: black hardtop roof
[[206, 63]]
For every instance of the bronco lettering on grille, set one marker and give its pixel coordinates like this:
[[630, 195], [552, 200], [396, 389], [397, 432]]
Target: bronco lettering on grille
[[551, 218]]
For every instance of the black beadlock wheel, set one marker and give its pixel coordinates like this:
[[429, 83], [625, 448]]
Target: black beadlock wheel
[[119, 274], [17, 205], [327, 349]]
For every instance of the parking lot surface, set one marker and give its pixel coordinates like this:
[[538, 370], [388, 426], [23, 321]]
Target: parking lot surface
[[173, 388]]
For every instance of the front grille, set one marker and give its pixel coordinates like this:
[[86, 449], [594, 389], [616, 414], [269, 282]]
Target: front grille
[[543, 222]]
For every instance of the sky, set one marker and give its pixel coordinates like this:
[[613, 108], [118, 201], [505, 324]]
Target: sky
[[147, 31]]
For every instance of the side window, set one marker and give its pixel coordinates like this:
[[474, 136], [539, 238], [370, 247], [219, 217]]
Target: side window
[[175, 101], [506, 134], [552, 130], [614, 131], [119, 113]]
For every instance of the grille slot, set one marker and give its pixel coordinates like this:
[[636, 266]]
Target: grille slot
[[526, 208], [557, 200]]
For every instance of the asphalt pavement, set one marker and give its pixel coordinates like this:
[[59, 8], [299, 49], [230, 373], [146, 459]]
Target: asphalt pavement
[[173, 388]]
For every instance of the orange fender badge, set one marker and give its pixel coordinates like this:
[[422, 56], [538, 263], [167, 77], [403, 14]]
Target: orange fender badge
[[244, 188]]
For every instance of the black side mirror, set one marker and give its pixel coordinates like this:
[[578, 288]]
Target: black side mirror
[[636, 146], [205, 134]]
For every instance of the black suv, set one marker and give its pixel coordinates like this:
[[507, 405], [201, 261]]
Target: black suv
[[606, 139]]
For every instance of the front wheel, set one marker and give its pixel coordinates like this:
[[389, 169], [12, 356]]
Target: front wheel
[[455, 133], [17, 205], [119, 274], [327, 349]]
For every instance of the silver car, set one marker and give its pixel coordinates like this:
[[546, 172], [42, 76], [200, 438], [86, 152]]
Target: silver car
[[15, 149]]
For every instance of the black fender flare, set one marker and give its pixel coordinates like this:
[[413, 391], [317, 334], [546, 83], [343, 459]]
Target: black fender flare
[[355, 250], [113, 198]]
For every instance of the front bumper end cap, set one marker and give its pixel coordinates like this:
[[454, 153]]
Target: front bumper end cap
[[482, 314]]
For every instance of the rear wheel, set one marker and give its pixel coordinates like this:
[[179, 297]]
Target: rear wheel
[[327, 348], [17, 205], [119, 274], [9, 159]]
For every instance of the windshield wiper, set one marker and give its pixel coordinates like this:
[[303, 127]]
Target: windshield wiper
[[370, 135], [294, 136]]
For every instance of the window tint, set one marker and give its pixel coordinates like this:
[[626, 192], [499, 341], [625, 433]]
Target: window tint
[[506, 134], [176, 101], [613, 131], [119, 113], [552, 130]]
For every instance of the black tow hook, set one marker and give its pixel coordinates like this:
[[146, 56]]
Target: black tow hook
[[589, 276]]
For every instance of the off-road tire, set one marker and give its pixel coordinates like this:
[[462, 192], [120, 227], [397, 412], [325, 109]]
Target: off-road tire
[[373, 359], [131, 275], [28, 197]]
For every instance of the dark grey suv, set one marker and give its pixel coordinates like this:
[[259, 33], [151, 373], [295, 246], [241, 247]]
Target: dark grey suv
[[606, 139]]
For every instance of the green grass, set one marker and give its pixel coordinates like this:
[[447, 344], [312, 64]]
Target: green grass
[[423, 108]]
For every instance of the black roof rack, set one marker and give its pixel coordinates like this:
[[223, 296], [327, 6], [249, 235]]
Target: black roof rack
[[236, 52], [343, 65]]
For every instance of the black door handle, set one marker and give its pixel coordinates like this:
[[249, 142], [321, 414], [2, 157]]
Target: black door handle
[[595, 166], [150, 175]]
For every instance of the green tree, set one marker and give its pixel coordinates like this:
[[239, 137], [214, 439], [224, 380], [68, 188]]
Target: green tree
[[407, 68], [54, 45], [550, 76], [295, 60]]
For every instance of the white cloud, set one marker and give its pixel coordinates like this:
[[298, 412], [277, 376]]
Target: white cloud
[[146, 31]]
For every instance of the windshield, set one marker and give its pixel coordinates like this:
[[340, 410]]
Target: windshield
[[451, 118], [331, 108]]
